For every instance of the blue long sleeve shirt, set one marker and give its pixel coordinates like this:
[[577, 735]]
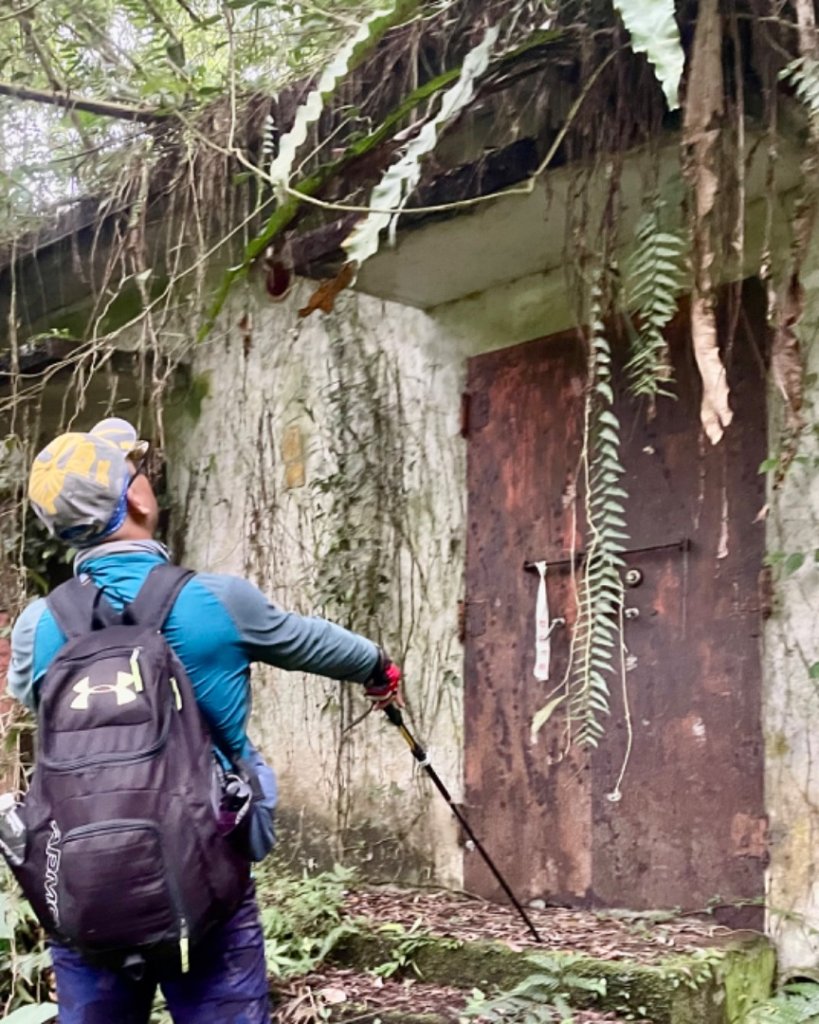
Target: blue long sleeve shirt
[[218, 626]]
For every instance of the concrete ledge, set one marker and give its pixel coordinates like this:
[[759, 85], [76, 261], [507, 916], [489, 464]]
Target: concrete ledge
[[713, 985]]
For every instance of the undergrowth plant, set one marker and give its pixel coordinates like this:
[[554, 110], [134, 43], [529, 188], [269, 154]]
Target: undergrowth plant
[[301, 917], [25, 967], [797, 1003], [541, 998], [34, 1013], [403, 958]]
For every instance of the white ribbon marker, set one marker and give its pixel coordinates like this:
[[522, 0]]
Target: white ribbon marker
[[543, 630]]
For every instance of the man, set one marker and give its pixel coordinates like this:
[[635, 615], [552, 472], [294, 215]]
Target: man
[[90, 490]]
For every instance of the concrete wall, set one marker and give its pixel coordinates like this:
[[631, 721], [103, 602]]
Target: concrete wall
[[791, 647], [298, 407]]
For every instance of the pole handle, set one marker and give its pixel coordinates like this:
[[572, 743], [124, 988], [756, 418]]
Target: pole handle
[[393, 712]]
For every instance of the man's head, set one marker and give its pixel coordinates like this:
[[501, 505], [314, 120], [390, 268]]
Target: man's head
[[89, 488]]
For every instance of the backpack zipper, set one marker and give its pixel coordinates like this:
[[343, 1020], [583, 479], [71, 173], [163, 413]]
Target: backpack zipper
[[112, 825], [103, 760], [128, 825], [184, 946]]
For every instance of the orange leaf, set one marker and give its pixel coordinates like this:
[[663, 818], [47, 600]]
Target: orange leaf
[[324, 297]]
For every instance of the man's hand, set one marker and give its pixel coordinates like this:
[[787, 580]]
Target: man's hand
[[384, 686]]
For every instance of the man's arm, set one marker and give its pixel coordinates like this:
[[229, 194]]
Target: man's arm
[[295, 642], [21, 677]]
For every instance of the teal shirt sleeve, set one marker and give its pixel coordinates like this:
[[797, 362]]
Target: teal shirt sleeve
[[35, 641], [290, 641]]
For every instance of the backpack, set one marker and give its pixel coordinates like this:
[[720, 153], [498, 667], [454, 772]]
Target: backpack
[[124, 857]]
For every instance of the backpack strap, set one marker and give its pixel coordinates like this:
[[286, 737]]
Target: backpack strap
[[156, 597], [152, 606], [80, 607]]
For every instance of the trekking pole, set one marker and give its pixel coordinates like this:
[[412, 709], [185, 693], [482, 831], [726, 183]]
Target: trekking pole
[[394, 714]]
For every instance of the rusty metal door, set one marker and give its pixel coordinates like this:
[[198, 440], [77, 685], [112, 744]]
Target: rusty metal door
[[688, 829]]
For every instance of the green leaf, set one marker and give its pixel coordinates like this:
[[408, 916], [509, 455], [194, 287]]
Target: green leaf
[[542, 716], [400, 179], [654, 32], [813, 671], [768, 464], [370, 31], [793, 562], [34, 1014]]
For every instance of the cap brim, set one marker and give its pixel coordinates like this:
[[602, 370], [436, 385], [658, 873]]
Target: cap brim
[[121, 433]]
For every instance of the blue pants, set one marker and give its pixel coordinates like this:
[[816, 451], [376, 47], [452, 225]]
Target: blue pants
[[226, 984]]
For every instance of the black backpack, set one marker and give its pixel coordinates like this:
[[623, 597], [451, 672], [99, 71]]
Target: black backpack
[[124, 861]]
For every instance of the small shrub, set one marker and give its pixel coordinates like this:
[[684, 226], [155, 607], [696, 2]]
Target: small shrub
[[26, 981], [541, 998], [797, 1003], [301, 917]]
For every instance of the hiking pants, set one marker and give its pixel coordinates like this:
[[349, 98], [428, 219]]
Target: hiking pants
[[226, 984]]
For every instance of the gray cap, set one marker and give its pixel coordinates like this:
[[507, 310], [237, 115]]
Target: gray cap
[[78, 482]]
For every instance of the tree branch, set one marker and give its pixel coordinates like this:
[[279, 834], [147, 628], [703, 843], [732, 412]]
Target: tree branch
[[105, 108]]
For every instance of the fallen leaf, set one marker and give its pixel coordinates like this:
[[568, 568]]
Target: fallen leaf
[[704, 108], [324, 297], [715, 411], [333, 995]]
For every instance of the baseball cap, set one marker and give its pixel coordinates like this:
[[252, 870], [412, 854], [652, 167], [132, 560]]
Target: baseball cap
[[78, 482]]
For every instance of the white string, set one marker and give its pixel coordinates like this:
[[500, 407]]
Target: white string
[[543, 631]]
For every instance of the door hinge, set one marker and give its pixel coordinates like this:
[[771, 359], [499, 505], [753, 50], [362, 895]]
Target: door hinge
[[471, 619], [766, 592], [466, 402]]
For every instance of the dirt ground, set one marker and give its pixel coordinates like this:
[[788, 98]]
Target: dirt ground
[[353, 996], [606, 935]]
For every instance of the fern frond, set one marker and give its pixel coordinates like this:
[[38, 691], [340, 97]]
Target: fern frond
[[654, 277], [401, 177], [654, 32], [600, 590], [803, 74], [368, 34]]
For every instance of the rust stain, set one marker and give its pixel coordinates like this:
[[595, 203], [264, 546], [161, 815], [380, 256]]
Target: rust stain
[[295, 473], [749, 836]]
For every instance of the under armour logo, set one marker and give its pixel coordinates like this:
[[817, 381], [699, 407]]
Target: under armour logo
[[126, 688]]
